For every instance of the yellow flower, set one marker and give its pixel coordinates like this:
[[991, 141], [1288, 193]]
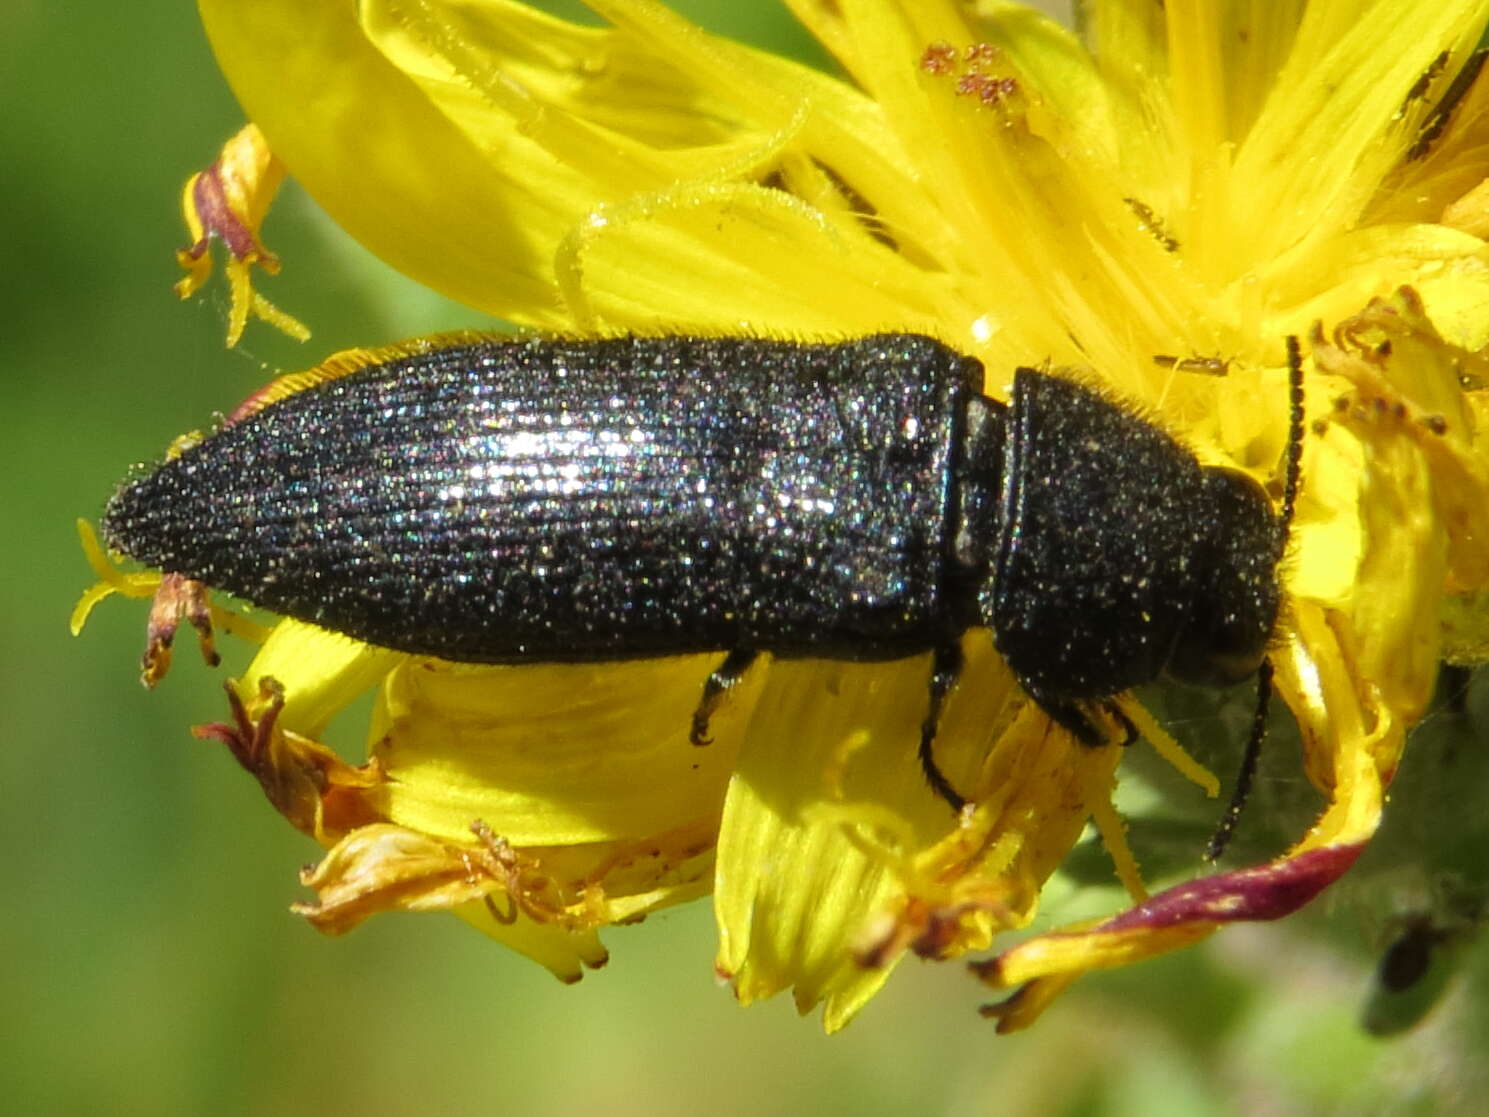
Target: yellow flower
[[1193, 180]]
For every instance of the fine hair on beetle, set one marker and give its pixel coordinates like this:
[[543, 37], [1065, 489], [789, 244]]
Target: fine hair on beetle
[[485, 499]]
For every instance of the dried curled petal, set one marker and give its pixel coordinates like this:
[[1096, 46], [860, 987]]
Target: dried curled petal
[[306, 782], [383, 867], [1175, 918], [228, 202]]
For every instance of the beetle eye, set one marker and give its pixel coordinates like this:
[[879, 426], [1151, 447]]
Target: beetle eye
[[1236, 593]]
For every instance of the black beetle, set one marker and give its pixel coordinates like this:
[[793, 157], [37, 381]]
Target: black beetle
[[490, 500]]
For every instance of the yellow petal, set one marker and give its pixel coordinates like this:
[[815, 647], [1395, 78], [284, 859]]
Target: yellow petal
[[1338, 97], [835, 857], [794, 893], [321, 673], [555, 755], [478, 149]]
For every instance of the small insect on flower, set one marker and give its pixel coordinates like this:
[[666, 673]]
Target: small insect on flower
[[488, 500]]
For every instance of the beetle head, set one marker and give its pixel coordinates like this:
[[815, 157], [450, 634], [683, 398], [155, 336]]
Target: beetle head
[[1236, 591]]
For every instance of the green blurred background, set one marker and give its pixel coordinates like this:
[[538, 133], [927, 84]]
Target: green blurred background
[[148, 960]]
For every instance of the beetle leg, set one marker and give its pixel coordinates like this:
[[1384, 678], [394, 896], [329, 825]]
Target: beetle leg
[[1130, 732], [1075, 719], [947, 666], [735, 664]]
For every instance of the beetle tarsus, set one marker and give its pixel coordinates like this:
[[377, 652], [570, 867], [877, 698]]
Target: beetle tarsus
[[948, 666], [716, 688]]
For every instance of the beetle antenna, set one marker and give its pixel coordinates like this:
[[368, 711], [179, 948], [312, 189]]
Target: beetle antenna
[[1292, 481], [1293, 470], [1244, 778]]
